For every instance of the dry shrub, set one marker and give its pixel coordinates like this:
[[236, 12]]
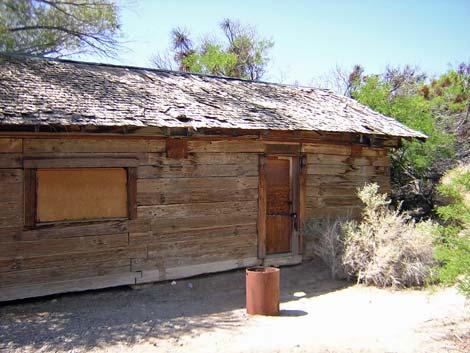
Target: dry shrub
[[387, 248], [327, 243]]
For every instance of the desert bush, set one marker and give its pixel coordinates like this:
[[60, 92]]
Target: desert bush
[[325, 242], [453, 250], [386, 248]]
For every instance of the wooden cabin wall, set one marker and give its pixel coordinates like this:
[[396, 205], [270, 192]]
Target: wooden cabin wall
[[194, 215], [335, 172]]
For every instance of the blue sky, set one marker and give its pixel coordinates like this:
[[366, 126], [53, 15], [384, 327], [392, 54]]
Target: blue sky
[[312, 37]]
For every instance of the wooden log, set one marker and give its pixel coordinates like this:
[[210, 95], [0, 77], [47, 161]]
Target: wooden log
[[187, 169], [374, 152], [191, 184], [141, 157], [92, 282], [62, 273], [81, 163], [226, 146], [21, 263], [199, 209], [262, 208], [327, 149], [11, 192], [11, 145], [68, 245], [200, 234], [188, 223], [11, 160], [197, 196], [10, 176], [351, 180], [92, 145], [75, 230]]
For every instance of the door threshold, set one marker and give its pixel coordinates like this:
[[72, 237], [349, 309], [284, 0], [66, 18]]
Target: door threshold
[[282, 260]]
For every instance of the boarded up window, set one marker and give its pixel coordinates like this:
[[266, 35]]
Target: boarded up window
[[74, 194]]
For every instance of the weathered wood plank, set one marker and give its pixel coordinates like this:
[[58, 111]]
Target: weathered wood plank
[[132, 192], [226, 146], [340, 169], [35, 290], [142, 157], [55, 246], [10, 176], [92, 145], [190, 184], [187, 223], [327, 149], [197, 196], [11, 145], [176, 148], [349, 180], [262, 208], [187, 169], [282, 148], [199, 209], [21, 263], [11, 192], [80, 162], [62, 273], [374, 152], [159, 159], [72, 231], [202, 234], [11, 160]]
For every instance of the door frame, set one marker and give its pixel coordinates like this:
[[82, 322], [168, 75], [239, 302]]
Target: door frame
[[298, 184]]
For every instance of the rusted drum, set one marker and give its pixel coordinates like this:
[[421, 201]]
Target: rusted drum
[[262, 291]]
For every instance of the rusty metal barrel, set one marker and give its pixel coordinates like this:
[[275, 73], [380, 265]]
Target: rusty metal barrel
[[262, 291]]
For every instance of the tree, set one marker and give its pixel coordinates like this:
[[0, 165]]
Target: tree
[[58, 28], [417, 166], [241, 53]]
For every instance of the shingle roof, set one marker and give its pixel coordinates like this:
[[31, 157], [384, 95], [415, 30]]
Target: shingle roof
[[38, 91]]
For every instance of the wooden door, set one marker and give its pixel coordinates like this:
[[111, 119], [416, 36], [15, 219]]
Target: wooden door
[[278, 205]]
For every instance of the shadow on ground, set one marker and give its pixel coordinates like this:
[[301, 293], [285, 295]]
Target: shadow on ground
[[83, 321]]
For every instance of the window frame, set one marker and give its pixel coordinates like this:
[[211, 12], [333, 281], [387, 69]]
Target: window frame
[[31, 166]]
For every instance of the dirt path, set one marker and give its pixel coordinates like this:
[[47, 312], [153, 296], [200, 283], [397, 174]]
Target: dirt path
[[206, 314]]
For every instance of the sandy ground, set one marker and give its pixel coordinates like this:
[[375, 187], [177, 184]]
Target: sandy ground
[[206, 314]]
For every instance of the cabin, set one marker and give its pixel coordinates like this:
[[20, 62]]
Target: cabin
[[115, 175]]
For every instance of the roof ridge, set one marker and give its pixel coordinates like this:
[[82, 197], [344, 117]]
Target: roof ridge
[[180, 73]]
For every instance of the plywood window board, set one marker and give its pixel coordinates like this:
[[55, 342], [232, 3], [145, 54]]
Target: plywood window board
[[75, 194], [54, 195]]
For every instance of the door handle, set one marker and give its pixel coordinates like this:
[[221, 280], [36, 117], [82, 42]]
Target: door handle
[[294, 220]]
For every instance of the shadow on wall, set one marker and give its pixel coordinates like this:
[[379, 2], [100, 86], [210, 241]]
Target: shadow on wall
[[122, 316]]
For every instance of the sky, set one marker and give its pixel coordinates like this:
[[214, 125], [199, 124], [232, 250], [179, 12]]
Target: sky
[[311, 37]]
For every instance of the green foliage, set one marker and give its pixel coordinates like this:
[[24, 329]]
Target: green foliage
[[214, 60], [56, 28], [240, 53], [454, 249], [413, 110]]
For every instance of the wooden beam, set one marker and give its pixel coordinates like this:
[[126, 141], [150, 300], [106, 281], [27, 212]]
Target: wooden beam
[[30, 197], [302, 199], [262, 208], [177, 148], [132, 192], [80, 163]]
